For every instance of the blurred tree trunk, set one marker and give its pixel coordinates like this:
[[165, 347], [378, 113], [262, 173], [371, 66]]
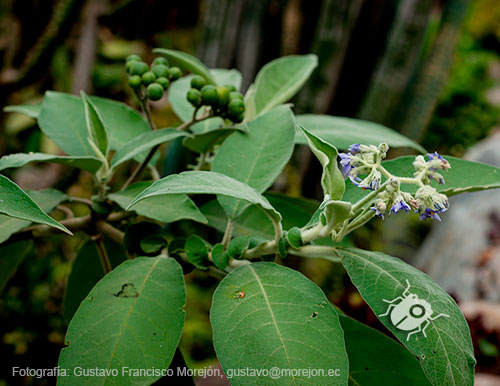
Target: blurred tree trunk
[[398, 63], [423, 94], [336, 22]]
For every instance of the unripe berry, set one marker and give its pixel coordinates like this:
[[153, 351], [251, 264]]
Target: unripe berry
[[160, 60], [237, 119], [236, 107], [160, 70], [164, 82], [133, 57], [209, 95], [194, 97], [154, 91], [135, 81], [138, 68], [148, 78], [230, 87], [222, 96], [198, 82], [175, 73], [235, 95]]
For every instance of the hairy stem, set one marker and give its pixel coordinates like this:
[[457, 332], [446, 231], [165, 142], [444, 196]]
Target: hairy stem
[[103, 254]]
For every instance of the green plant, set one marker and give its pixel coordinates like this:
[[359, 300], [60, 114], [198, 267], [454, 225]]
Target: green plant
[[271, 325]]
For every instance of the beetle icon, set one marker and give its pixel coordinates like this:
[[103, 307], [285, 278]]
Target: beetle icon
[[410, 313]]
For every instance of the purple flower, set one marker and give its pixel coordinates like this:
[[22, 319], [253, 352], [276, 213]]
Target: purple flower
[[400, 205], [434, 156], [354, 148], [377, 212], [345, 161], [445, 165], [429, 213]]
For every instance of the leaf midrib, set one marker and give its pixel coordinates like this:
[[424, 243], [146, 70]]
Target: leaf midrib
[[124, 323], [271, 312]]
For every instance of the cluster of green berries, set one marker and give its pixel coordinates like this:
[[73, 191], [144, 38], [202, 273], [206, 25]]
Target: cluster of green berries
[[225, 101], [156, 79]]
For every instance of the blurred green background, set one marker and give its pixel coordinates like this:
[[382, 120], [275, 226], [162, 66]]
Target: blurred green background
[[429, 69]]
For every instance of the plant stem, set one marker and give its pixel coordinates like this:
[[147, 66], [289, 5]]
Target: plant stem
[[228, 233], [109, 230], [103, 255]]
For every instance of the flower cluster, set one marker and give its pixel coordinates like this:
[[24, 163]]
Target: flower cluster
[[427, 201], [364, 159]]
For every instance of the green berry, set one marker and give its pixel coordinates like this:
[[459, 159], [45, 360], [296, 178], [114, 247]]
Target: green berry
[[160, 60], [133, 57], [194, 97], [235, 95], [164, 82], [148, 78], [238, 119], [154, 91], [198, 82], [230, 87], [209, 95], [236, 107], [135, 81], [175, 73], [160, 70], [138, 68], [222, 96]]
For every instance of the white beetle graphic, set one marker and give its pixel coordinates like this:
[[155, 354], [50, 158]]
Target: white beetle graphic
[[411, 313]]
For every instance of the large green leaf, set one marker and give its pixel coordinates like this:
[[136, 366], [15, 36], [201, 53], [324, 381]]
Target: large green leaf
[[96, 129], [332, 180], [279, 80], [14, 202], [296, 211], [31, 110], [11, 255], [86, 271], [206, 141], [165, 209], [187, 62], [445, 353], [375, 359], [91, 164], [464, 176], [62, 118], [268, 316], [200, 182], [132, 318], [144, 143], [256, 158], [178, 90], [46, 199], [343, 132]]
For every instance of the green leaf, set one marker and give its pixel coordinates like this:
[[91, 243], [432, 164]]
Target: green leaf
[[219, 256], [296, 211], [335, 212], [11, 256], [197, 251], [332, 180], [133, 318], [279, 80], [144, 143], [14, 202], [264, 316], [256, 158], [62, 119], [86, 271], [165, 209], [47, 199], [31, 110], [343, 132], [446, 354], [200, 182], [375, 359], [187, 62], [95, 125], [464, 176], [202, 143], [178, 90], [90, 164]]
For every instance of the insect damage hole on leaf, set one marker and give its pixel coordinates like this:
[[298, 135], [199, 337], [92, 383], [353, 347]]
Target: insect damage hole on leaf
[[127, 291]]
